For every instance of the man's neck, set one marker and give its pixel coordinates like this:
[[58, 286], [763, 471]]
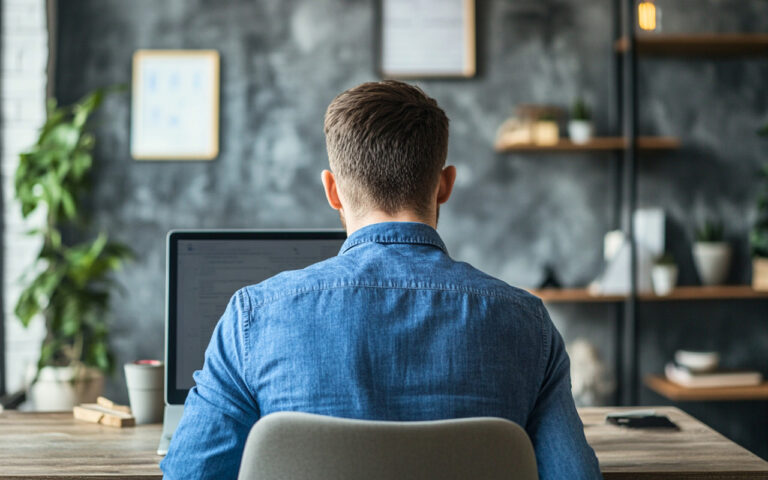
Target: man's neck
[[356, 223]]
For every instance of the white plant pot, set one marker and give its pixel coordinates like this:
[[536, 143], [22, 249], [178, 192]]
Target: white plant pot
[[61, 388], [580, 131], [664, 279], [713, 261]]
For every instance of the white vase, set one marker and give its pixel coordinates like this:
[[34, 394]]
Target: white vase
[[664, 279], [61, 388], [713, 261], [580, 131]]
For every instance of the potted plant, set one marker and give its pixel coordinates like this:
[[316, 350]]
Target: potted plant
[[580, 127], [758, 238], [711, 253], [69, 284], [664, 275]]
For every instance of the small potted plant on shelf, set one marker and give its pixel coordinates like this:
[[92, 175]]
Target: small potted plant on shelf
[[580, 127], [69, 284], [664, 275], [758, 238], [711, 253]]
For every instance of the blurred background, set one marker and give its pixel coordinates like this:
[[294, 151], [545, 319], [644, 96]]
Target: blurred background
[[514, 212]]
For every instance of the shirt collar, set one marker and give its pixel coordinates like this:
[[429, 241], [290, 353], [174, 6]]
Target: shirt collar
[[394, 232]]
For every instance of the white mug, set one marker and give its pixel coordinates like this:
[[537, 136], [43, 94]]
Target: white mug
[[145, 381]]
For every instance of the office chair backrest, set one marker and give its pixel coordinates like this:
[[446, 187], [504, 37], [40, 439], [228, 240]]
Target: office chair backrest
[[302, 446]]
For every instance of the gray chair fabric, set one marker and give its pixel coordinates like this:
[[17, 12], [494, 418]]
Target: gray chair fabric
[[302, 446]]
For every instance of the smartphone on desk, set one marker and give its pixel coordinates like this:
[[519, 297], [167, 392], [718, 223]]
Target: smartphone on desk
[[640, 419]]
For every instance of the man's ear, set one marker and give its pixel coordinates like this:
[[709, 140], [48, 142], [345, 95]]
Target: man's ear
[[331, 191], [445, 185]]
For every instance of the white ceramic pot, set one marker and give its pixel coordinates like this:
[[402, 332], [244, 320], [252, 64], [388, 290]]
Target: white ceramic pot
[[713, 261], [580, 131], [664, 279], [61, 388]]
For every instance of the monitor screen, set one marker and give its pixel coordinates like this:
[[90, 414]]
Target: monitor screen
[[206, 269]]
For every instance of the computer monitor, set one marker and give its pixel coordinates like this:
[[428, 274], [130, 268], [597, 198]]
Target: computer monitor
[[205, 268]]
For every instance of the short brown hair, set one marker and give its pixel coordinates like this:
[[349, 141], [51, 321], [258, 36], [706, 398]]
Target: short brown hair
[[387, 143]]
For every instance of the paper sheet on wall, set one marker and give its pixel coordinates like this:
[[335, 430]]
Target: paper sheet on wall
[[175, 105], [427, 38]]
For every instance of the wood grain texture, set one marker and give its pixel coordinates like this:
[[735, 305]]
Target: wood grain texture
[[596, 144], [560, 295], [694, 452], [55, 446], [712, 44], [723, 292], [673, 391]]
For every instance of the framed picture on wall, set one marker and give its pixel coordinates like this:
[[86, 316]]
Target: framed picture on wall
[[426, 38], [175, 105]]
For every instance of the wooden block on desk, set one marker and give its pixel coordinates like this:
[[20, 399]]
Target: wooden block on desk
[[94, 413], [110, 405]]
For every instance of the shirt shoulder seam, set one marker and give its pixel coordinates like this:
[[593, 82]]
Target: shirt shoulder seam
[[301, 291]]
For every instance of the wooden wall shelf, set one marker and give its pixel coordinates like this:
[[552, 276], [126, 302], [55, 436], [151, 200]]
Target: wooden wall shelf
[[573, 295], [582, 295], [672, 391], [710, 44], [723, 292], [596, 144]]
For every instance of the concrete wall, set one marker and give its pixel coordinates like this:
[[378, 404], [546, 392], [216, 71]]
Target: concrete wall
[[23, 82], [283, 61]]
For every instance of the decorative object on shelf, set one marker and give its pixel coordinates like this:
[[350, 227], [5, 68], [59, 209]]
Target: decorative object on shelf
[[580, 126], [697, 361], [617, 253], [711, 253], [513, 132], [648, 16], [664, 275], [546, 130], [175, 105], [758, 237], [69, 285], [591, 382], [550, 278], [531, 125], [615, 278]]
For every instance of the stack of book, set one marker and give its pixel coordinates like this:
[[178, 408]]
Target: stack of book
[[686, 377]]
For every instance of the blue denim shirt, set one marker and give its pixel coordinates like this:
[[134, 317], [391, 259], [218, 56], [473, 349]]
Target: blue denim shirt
[[390, 329]]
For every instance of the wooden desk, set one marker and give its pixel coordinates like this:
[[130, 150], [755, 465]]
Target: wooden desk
[[55, 446], [694, 452]]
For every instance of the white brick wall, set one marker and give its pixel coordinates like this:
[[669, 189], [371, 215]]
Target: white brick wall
[[24, 61]]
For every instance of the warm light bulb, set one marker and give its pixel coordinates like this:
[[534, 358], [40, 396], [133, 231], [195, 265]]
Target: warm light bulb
[[646, 15]]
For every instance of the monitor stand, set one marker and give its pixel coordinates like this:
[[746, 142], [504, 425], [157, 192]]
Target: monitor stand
[[171, 419]]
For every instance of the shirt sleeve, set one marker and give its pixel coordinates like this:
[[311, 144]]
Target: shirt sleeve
[[219, 410], [554, 425]]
